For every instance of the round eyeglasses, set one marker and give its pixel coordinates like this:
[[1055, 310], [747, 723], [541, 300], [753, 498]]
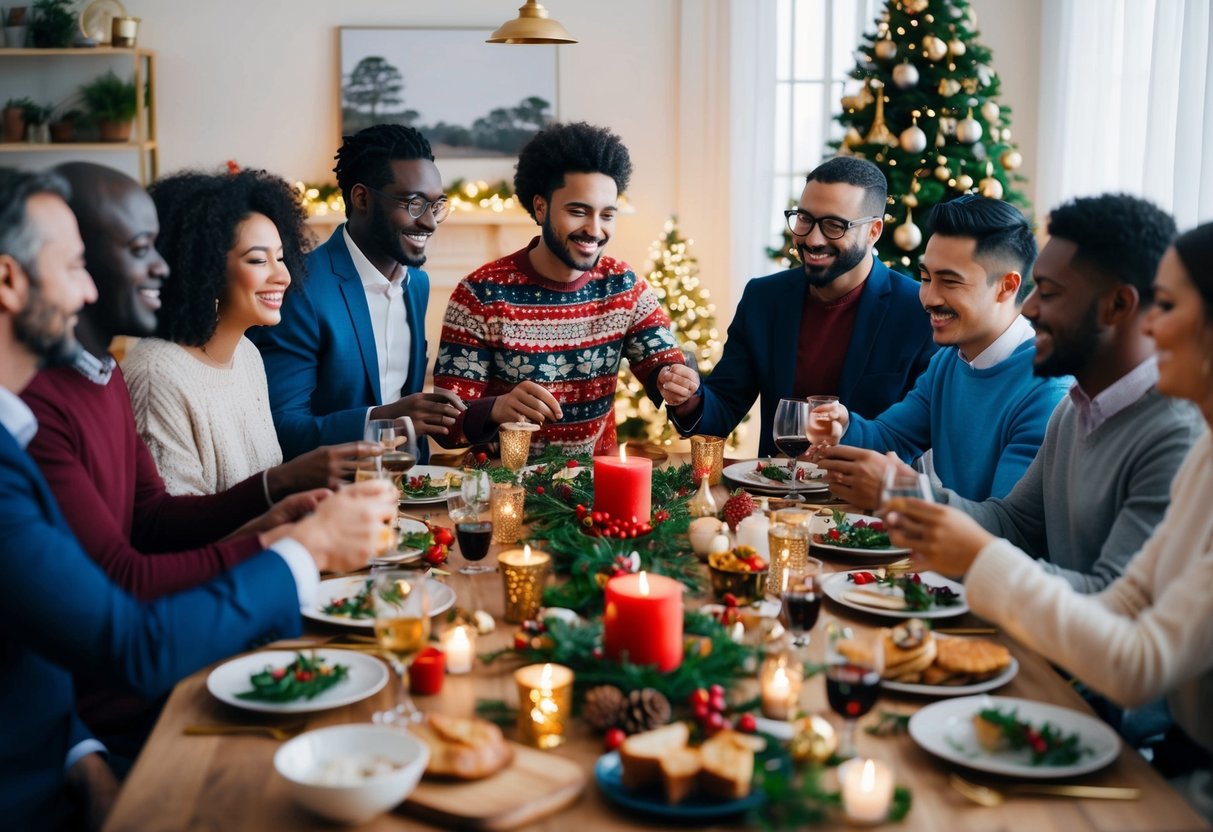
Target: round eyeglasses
[[801, 224], [417, 205]]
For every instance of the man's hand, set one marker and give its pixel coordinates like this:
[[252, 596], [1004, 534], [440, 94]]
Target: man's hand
[[856, 475], [275, 522], [827, 424], [348, 528], [432, 413], [93, 782], [326, 467], [527, 401], [941, 538], [677, 383]]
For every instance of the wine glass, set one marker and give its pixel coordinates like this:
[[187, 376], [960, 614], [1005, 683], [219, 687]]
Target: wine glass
[[791, 435], [821, 425], [400, 452], [854, 663], [899, 482], [382, 434], [402, 628], [800, 597], [472, 533]]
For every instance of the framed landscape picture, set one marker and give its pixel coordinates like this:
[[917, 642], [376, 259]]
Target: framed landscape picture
[[471, 99]]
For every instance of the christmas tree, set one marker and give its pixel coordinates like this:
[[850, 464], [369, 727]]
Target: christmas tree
[[926, 113], [673, 275]]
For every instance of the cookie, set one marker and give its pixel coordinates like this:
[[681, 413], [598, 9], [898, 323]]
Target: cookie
[[971, 655]]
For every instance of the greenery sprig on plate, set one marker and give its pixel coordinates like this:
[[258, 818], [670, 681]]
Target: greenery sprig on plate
[[305, 678]]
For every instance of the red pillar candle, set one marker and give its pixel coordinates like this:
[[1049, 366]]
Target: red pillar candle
[[624, 487], [643, 618], [425, 673]]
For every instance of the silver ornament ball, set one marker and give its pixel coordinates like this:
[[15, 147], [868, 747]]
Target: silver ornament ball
[[968, 130], [913, 140], [905, 75], [908, 236], [990, 111]]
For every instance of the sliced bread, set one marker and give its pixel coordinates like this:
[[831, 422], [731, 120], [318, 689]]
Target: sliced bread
[[641, 754]]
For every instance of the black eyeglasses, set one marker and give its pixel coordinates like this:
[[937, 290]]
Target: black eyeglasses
[[417, 205], [801, 224]]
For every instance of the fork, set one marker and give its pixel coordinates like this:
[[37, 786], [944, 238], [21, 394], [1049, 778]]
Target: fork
[[277, 732], [987, 796]]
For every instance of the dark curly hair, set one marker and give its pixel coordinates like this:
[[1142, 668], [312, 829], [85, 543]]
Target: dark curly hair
[[568, 148], [366, 156], [860, 173], [1000, 229], [1123, 237], [1195, 250], [199, 213]]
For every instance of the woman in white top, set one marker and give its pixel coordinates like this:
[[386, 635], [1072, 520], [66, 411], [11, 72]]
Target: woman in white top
[[233, 242], [1151, 631]]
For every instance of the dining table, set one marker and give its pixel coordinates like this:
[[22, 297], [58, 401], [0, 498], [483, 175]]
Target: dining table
[[228, 782]]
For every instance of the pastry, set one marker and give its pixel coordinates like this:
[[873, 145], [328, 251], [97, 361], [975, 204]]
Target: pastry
[[463, 749], [971, 655]]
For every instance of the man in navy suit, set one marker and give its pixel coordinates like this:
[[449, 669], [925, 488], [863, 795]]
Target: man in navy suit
[[351, 344], [61, 613], [843, 325]]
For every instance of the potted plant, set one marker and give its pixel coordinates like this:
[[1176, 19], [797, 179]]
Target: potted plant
[[14, 119], [113, 103], [53, 25], [15, 27], [36, 118], [63, 126]]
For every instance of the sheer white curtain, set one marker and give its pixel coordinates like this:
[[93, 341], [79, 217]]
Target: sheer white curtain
[[1126, 103]]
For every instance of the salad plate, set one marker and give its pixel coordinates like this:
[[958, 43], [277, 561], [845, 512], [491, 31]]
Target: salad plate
[[405, 554], [444, 482], [747, 474], [840, 588], [367, 676], [442, 598], [846, 545]]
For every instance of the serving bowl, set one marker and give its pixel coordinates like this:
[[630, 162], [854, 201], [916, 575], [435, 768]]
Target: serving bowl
[[746, 587]]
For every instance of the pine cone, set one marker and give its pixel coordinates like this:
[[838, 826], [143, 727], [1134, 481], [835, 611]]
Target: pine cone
[[645, 709], [603, 706]]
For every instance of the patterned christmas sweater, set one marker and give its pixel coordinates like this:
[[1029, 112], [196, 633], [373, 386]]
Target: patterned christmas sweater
[[505, 324]]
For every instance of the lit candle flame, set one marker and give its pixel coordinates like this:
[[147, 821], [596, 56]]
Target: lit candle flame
[[526, 555], [787, 573], [623, 457], [545, 678], [644, 583], [867, 780], [779, 681]]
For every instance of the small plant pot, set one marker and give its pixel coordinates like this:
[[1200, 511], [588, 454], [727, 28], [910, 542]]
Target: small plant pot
[[63, 131], [114, 131], [39, 133], [14, 36], [14, 124]]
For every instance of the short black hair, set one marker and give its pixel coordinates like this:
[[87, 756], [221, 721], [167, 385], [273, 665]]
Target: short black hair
[[1195, 250], [861, 173], [366, 157], [19, 238], [1123, 237], [199, 213], [1001, 230], [568, 148]]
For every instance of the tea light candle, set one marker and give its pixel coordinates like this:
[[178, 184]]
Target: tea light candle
[[524, 572], [508, 504], [780, 680], [643, 618], [624, 487], [707, 455], [515, 440], [867, 790], [459, 645], [545, 703], [752, 532]]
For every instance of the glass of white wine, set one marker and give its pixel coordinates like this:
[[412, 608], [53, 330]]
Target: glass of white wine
[[400, 452], [899, 482], [402, 627]]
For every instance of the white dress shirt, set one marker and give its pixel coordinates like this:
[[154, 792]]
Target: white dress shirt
[[389, 321], [1004, 345]]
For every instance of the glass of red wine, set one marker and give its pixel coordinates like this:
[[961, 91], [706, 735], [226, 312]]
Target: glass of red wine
[[800, 599], [473, 530], [791, 434], [854, 663]]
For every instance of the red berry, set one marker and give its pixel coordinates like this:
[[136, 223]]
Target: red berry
[[730, 600], [746, 723], [717, 702], [436, 555], [482, 457], [614, 738], [716, 690], [303, 675], [539, 489], [701, 710], [521, 641], [580, 510], [715, 722], [572, 463], [443, 535], [278, 673], [596, 653], [699, 695]]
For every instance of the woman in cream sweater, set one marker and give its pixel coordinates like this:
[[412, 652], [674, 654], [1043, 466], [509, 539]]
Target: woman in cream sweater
[[1151, 631], [198, 390]]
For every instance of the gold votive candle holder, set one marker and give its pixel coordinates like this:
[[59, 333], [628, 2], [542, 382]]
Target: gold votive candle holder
[[789, 547], [523, 576], [707, 454], [545, 703], [124, 31], [508, 502], [515, 439], [780, 679]]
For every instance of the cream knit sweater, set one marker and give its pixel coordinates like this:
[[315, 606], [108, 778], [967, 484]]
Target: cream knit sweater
[[208, 428]]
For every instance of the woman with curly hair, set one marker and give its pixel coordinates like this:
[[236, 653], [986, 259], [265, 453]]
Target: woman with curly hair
[[233, 243]]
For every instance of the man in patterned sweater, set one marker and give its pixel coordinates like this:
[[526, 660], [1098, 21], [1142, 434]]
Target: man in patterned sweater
[[538, 335]]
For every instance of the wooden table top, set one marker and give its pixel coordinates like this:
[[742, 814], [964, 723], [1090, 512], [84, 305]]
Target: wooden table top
[[229, 782]]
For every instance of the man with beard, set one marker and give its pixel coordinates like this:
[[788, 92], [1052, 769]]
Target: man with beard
[[538, 335], [61, 612], [978, 407], [351, 343], [843, 325]]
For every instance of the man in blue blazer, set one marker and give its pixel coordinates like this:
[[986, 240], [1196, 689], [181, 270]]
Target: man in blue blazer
[[351, 345], [843, 324], [61, 613]]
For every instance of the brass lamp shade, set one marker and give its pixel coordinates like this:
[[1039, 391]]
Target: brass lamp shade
[[531, 26]]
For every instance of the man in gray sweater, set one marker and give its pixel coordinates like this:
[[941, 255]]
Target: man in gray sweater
[[1100, 482]]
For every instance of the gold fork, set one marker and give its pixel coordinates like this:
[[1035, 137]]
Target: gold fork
[[986, 796], [277, 732]]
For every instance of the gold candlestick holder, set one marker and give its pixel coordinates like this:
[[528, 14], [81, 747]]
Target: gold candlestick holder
[[707, 454], [523, 574], [508, 503], [515, 439], [789, 547], [545, 703]]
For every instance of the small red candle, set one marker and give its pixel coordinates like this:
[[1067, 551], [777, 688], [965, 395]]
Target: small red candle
[[425, 673], [643, 618], [624, 487]]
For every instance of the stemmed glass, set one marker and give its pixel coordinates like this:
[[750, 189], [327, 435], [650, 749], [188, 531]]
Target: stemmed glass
[[791, 434], [400, 451], [471, 532], [821, 427], [402, 628], [854, 664], [901, 483], [800, 597], [382, 433]]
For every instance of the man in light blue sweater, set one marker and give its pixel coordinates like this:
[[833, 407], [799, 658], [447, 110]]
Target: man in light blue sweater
[[978, 407]]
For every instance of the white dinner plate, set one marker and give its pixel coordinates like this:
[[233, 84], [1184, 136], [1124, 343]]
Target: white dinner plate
[[436, 472], [746, 474], [367, 675], [836, 585], [993, 683], [442, 598], [407, 525], [945, 729], [888, 554]]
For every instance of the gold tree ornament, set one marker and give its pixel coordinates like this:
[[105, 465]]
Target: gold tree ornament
[[1011, 159], [964, 183], [912, 139], [879, 132], [852, 138], [908, 236], [934, 48], [990, 187], [915, 6], [956, 47], [885, 49], [968, 130], [990, 111], [948, 87], [905, 75]]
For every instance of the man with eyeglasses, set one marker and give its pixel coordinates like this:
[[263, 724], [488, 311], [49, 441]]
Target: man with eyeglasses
[[351, 344], [843, 324]]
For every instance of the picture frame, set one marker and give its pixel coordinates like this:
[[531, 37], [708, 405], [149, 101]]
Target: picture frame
[[470, 99]]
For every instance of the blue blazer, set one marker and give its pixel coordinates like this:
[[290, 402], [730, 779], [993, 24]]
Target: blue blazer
[[320, 360], [62, 614], [889, 348]]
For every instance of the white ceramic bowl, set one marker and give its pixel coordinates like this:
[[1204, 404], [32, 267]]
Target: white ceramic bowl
[[304, 761]]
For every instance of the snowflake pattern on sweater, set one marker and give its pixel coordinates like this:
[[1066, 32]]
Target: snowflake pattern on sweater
[[506, 324]]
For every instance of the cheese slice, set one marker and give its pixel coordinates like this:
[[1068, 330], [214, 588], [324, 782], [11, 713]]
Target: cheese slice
[[874, 599]]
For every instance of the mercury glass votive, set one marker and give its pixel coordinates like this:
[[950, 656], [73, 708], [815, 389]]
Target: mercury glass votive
[[523, 575], [794, 540], [545, 703], [707, 454], [515, 439], [508, 503]]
